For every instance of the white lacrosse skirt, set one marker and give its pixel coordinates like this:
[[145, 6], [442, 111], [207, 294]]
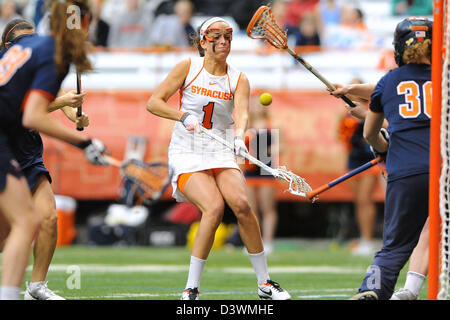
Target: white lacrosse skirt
[[192, 152]]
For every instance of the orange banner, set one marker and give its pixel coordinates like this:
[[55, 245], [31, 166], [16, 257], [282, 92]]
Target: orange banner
[[308, 124]]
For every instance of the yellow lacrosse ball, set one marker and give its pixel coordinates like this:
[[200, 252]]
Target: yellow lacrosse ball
[[265, 99]]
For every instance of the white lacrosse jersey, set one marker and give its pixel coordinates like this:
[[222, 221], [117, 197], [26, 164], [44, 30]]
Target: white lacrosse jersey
[[211, 99]]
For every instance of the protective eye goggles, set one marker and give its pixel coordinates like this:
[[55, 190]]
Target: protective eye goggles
[[214, 34]]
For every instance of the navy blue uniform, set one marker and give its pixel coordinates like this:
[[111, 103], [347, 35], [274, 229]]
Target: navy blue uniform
[[404, 96], [28, 65]]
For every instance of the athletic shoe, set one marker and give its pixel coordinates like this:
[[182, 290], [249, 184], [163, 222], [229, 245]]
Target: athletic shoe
[[40, 292], [272, 290], [190, 294], [365, 295], [404, 294]]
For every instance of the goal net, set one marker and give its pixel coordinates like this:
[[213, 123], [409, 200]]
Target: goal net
[[438, 283]]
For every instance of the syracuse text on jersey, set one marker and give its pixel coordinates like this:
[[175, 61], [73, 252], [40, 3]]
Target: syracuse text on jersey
[[212, 93]]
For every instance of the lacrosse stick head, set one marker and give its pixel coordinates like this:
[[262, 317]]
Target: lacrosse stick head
[[297, 185], [149, 180], [264, 26]]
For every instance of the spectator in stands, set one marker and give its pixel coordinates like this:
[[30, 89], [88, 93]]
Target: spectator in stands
[[131, 28], [242, 11], [214, 7], [8, 13], [308, 31], [174, 30], [32, 10], [295, 10], [352, 32], [279, 10], [99, 29], [111, 9], [184, 9], [328, 13], [412, 7]]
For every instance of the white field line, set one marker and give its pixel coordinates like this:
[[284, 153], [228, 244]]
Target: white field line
[[101, 268], [298, 294]]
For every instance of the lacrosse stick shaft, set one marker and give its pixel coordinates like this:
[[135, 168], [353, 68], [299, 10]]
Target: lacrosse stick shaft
[[113, 161], [243, 154], [346, 176], [317, 74], [79, 109]]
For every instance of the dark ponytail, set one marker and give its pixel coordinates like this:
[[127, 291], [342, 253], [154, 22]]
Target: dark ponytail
[[11, 29], [196, 40]]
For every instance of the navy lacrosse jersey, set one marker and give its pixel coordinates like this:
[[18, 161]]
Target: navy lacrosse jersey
[[404, 96], [28, 65]]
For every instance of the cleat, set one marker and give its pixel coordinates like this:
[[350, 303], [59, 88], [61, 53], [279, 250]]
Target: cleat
[[190, 294], [41, 292], [403, 294], [272, 290], [365, 295]]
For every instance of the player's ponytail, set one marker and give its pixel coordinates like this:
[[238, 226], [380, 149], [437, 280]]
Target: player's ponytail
[[417, 52], [70, 40], [196, 42]]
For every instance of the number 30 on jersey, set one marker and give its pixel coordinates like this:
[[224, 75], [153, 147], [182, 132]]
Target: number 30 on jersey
[[414, 97]]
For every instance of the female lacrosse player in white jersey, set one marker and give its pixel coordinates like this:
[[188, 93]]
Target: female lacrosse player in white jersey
[[206, 172]]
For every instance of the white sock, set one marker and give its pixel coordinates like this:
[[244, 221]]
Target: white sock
[[195, 272], [259, 263], [9, 293], [414, 282]]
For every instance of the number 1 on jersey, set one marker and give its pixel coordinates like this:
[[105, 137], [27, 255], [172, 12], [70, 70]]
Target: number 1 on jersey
[[208, 110]]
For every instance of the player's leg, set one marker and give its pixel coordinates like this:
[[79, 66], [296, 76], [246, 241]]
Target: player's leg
[[418, 269], [406, 211], [200, 189], [267, 204], [45, 244], [4, 231], [252, 193], [17, 207], [231, 184], [365, 209]]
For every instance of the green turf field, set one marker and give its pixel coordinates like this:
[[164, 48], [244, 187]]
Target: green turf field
[[308, 270]]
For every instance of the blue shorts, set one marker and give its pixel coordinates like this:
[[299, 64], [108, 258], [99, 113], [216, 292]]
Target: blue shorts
[[8, 165], [34, 172]]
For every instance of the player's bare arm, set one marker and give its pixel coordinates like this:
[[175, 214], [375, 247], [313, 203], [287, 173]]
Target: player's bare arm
[[373, 124], [71, 114], [70, 99], [68, 104], [241, 104], [360, 111], [363, 90], [36, 117], [157, 104]]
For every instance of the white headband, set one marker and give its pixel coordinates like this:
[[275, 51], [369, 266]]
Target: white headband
[[209, 22]]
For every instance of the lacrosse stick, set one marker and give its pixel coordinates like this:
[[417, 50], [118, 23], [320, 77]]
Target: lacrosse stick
[[297, 185], [312, 194], [152, 179], [79, 109], [264, 26]]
